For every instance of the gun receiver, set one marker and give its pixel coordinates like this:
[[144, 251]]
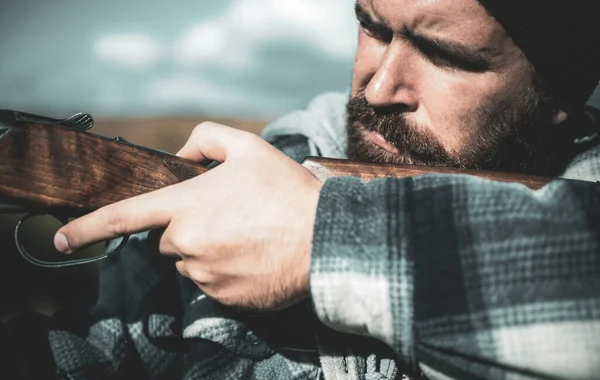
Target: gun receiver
[[56, 167]]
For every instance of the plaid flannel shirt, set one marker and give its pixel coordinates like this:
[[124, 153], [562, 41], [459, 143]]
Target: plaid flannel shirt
[[437, 276]]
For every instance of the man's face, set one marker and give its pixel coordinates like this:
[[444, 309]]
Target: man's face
[[437, 82]]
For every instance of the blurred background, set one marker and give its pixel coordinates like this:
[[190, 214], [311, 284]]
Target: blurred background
[[253, 59], [150, 71]]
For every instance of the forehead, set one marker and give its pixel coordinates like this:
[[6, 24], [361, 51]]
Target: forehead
[[466, 20]]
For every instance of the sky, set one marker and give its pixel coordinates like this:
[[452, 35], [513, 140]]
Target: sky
[[253, 59], [241, 58]]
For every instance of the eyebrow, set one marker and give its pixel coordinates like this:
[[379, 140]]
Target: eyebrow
[[366, 20], [476, 58]]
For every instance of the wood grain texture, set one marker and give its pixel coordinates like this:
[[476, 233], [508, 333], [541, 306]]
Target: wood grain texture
[[53, 167], [324, 168], [60, 168]]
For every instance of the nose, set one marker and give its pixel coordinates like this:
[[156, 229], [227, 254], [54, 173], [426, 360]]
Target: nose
[[393, 83]]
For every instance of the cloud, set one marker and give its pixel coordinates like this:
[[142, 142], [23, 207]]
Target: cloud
[[129, 50], [236, 36], [262, 57], [242, 58], [185, 89], [185, 92]]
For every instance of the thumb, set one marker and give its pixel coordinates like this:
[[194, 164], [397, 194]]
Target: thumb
[[214, 142]]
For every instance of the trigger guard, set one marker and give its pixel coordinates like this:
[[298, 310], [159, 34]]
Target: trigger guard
[[58, 264]]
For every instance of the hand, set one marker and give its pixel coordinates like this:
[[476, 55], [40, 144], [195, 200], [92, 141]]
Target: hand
[[242, 231]]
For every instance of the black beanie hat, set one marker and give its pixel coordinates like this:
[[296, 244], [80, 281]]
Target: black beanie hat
[[561, 39]]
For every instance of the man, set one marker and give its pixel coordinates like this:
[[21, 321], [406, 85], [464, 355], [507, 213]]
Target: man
[[436, 276]]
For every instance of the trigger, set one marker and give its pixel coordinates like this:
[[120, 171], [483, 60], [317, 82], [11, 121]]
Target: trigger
[[63, 218]]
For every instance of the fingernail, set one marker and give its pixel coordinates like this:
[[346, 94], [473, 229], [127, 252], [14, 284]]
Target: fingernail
[[61, 243]]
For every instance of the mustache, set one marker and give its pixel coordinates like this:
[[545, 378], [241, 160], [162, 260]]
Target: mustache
[[415, 143]]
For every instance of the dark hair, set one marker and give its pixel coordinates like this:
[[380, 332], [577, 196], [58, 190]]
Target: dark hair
[[561, 39]]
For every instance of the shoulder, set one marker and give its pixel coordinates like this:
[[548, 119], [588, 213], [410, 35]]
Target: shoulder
[[322, 123], [585, 166], [295, 146]]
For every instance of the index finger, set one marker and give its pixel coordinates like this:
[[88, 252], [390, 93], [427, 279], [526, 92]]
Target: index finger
[[143, 212]]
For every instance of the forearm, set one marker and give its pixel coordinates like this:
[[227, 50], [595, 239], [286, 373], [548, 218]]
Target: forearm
[[461, 273]]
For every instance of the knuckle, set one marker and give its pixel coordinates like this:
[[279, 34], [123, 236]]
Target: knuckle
[[185, 243], [250, 138], [245, 142], [197, 133], [115, 222], [204, 127], [199, 276], [180, 265]]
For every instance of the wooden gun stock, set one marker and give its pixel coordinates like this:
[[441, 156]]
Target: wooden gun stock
[[52, 167], [324, 168], [59, 168]]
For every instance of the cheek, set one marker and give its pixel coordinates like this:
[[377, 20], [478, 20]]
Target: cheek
[[452, 103], [366, 62]]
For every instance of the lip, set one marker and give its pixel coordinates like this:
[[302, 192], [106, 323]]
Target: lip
[[381, 142]]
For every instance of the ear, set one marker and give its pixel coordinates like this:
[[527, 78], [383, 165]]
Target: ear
[[561, 115]]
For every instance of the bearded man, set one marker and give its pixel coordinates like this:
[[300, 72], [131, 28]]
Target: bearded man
[[437, 276]]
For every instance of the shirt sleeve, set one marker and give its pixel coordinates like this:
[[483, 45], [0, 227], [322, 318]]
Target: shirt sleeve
[[464, 277], [130, 328]]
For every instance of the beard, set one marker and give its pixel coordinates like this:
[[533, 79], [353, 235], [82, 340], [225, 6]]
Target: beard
[[517, 137]]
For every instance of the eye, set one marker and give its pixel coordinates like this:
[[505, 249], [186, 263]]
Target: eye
[[451, 61], [376, 33], [446, 59]]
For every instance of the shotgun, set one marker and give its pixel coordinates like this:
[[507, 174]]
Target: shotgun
[[57, 167]]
